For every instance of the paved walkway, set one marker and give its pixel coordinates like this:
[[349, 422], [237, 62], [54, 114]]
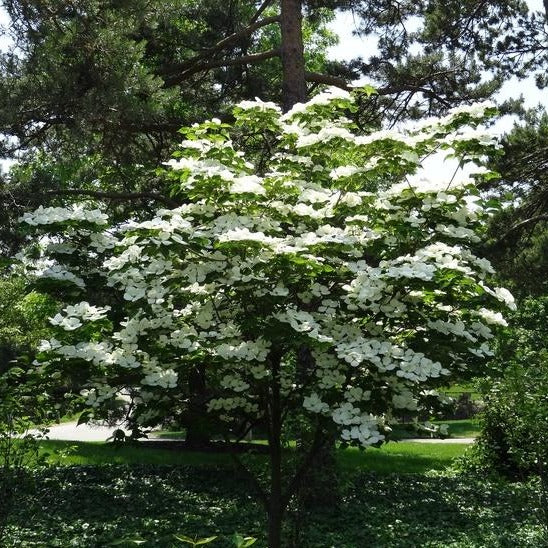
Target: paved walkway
[[83, 432], [446, 440], [86, 432]]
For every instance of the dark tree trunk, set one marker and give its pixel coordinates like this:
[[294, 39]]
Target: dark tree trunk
[[294, 91], [292, 53], [276, 505], [197, 431]]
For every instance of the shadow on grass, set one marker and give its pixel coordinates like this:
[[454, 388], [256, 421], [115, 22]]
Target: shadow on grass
[[100, 453], [402, 457]]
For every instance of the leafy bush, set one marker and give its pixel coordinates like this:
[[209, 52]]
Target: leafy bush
[[514, 435], [20, 409]]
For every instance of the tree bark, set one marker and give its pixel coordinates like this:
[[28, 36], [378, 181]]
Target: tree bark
[[197, 432], [276, 504], [292, 53]]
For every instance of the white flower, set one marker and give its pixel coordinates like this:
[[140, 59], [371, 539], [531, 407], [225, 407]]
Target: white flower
[[314, 404], [247, 184], [50, 215], [259, 105], [502, 294], [67, 323], [493, 318]]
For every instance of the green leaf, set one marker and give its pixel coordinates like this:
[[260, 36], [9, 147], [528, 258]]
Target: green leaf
[[193, 542], [205, 540], [242, 542], [84, 418], [368, 90], [123, 541]]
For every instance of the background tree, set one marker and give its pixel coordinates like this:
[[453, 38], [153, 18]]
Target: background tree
[[97, 89], [519, 233]]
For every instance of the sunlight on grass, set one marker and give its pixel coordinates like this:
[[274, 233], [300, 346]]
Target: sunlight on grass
[[401, 457]]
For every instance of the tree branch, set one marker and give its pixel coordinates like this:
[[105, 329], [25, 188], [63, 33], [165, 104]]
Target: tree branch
[[295, 483], [244, 60], [535, 219], [248, 474], [330, 80], [198, 60], [260, 10], [114, 195], [246, 31], [390, 90], [327, 79]]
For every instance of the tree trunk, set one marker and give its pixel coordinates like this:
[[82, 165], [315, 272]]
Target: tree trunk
[[276, 504], [323, 481], [292, 53], [275, 507], [197, 430]]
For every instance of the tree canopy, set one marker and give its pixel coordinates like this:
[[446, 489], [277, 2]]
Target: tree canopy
[[312, 247]]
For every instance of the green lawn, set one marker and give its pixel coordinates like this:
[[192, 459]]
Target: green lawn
[[467, 428], [464, 428], [400, 457]]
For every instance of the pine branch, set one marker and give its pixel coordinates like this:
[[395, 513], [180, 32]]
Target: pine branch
[[250, 59], [203, 61], [260, 10], [327, 79], [520, 225]]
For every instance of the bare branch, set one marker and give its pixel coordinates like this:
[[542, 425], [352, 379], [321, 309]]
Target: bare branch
[[327, 79], [260, 10], [296, 481], [241, 33], [248, 474], [390, 90], [330, 80]]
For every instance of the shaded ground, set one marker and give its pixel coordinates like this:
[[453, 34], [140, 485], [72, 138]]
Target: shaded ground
[[91, 507]]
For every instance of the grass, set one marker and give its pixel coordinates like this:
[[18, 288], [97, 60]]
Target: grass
[[400, 457], [457, 389], [467, 428]]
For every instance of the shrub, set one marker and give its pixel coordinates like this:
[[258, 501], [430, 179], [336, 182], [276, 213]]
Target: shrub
[[514, 423]]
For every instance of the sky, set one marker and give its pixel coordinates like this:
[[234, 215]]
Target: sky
[[351, 46]]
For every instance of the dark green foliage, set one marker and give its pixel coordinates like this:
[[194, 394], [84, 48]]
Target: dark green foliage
[[91, 507], [514, 424], [23, 319], [21, 407], [518, 234]]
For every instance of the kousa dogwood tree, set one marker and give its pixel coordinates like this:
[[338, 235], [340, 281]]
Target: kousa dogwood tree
[[297, 234]]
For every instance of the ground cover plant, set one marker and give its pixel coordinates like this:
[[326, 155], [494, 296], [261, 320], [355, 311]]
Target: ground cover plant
[[93, 506]]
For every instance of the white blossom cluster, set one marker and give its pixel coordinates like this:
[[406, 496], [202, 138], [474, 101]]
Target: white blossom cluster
[[50, 215]]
